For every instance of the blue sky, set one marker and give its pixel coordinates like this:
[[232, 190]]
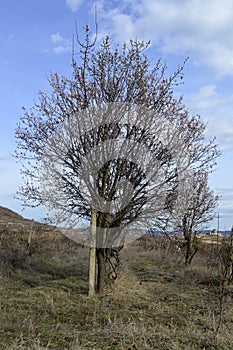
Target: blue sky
[[35, 38]]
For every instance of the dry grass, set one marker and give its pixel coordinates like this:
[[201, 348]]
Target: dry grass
[[155, 304]]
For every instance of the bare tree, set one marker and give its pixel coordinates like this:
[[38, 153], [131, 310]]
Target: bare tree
[[224, 260], [191, 209], [106, 147]]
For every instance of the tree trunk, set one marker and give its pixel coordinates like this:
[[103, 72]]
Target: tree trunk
[[101, 266], [188, 250], [191, 247], [92, 255]]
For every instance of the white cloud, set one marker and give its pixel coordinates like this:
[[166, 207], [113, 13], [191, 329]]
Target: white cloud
[[60, 49], [57, 38], [217, 111], [73, 4], [64, 44], [206, 97], [201, 28]]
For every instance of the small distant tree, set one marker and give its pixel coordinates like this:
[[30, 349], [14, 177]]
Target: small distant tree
[[224, 260], [106, 146], [191, 209]]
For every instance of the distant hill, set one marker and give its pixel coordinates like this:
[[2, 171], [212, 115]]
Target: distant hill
[[226, 232], [12, 220], [8, 214]]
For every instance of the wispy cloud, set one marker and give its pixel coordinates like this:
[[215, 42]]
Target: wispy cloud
[[217, 111], [74, 4], [61, 49], [225, 208], [57, 38], [63, 44], [5, 156], [178, 27], [225, 197]]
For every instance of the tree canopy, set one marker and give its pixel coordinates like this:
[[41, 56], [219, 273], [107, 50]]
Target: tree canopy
[[111, 138]]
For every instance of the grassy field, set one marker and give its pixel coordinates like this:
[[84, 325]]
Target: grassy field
[[156, 303]]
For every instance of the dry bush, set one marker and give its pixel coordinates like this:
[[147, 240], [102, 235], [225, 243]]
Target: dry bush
[[30, 248], [14, 251], [226, 259]]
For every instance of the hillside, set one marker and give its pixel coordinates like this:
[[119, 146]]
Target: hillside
[[12, 220], [8, 214]]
